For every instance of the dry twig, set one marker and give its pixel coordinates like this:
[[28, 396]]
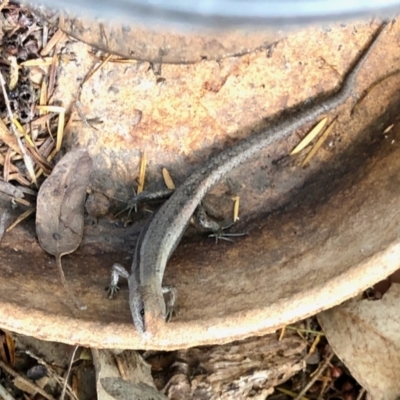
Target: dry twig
[[317, 374]]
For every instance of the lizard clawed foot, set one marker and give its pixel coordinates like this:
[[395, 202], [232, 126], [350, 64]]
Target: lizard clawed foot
[[130, 207], [170, 294], [218, 230], [144, 197], [226, 236], [112, 291]]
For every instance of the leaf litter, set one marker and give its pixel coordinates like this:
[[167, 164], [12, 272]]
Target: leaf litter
[[31, 134]]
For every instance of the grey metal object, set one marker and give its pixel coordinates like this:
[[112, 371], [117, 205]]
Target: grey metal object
[[230, 13]]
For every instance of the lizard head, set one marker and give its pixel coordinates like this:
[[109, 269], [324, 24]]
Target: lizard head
[[147, 309], [136, 304], [153, 311]]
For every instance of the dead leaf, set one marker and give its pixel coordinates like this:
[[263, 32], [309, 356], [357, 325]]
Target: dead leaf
[[365, 335], [60, 201]]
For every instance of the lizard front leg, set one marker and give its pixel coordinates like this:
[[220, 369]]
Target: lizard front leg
[[117, 271], [135, 299], [170, 298]]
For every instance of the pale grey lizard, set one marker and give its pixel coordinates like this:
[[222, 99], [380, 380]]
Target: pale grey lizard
[[159, 240]]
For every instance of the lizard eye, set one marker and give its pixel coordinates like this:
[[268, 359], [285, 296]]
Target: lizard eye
[[142, 312]]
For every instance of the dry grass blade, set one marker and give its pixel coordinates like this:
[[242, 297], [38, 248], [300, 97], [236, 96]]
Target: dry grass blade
[[123, 60], [13, 80], [52, 42], [8, 138], [282, 334], [289, 393], [7, 165], [60, 126], [310, 136], [49, 158], [318, 144], [314, 345], [37, 62], [42, 120], [52, 76], [27, 159], [142, 173], [361, 394], [23, 216], [169, 183], [90, 74], [115, 59], [236, 205], [32, 150], [21, 130], [311, 331], [43, 96], [47, 147], [56, 109], [22, 201], [17, 176], [60, 131], [40, 160], [388, 129]]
